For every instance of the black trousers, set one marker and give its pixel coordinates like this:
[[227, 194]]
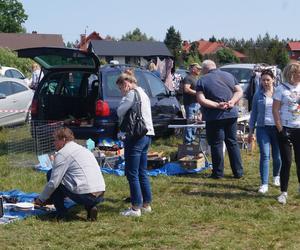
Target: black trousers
[[288, 140], [217, 132]]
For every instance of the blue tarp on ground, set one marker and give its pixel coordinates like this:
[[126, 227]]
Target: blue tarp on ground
[[171, 168], [12, 215]]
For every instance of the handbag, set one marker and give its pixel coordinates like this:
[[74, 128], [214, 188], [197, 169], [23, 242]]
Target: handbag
[[133, 123]]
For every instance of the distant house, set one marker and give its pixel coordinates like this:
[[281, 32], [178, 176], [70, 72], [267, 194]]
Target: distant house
[[15, 41], [129, 52], [294, 50], [85, 40], [207, 48]]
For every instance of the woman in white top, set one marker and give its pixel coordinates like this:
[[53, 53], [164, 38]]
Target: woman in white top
[[136, 149], [286, 111]]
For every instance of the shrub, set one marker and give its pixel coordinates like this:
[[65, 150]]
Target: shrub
[[9, 58]]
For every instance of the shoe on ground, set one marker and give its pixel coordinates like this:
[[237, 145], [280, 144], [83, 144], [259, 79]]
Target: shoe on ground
[[146, 210], [239, 176], [213, 176], [282, 198], [276, 181], [92, 213], [130, 212], [263, 189]]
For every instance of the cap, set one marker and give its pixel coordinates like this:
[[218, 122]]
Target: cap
[[197, 65]]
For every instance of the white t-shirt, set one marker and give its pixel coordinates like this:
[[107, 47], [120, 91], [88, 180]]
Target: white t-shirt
[[269, 120], [289, 96]]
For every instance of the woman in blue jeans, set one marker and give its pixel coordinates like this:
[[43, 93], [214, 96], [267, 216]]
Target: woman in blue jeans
[[266, 135], [136, 149]]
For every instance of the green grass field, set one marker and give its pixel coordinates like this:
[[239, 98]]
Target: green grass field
[[189, 212]]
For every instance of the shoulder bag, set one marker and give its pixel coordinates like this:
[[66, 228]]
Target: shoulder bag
[[133, 123]]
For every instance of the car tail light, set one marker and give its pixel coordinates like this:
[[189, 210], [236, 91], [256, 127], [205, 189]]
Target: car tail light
[[34, 107], [102, 108]]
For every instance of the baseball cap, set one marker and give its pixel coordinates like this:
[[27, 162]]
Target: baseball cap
[[197, 65]]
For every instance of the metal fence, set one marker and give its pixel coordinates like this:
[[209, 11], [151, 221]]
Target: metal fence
[[26, 142]]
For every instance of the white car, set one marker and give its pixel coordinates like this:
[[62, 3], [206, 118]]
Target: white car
[[15, 101], [241, 71], [13, 73]]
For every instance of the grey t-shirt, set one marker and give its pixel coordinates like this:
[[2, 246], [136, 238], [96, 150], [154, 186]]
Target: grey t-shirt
[[188, 98]]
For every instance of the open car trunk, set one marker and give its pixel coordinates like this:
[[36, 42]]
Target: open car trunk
[[68, 97]]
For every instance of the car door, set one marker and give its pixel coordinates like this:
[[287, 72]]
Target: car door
[[15, 105], [164, 107]]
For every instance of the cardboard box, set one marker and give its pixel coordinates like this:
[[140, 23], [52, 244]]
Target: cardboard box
[[156, 162], [152, 154], [184, 150], [190, 162]]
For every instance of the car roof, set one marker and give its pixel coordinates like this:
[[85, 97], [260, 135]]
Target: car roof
[[6, 68], [120, 67], [239, 65], [10, 79]]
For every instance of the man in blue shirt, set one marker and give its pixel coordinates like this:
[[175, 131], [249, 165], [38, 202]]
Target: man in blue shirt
[[218, 92]]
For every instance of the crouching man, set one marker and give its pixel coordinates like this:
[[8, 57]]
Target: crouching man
[[75, 174]]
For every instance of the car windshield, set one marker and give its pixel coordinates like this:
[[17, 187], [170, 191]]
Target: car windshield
[[242, 75]]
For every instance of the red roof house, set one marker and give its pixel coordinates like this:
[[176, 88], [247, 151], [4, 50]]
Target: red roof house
[[206, 48], [294, 50], [85, 40]]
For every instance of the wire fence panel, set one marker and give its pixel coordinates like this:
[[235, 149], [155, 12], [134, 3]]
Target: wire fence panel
[[26, 142]]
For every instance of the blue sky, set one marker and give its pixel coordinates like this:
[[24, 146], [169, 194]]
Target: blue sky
[[194, 19]]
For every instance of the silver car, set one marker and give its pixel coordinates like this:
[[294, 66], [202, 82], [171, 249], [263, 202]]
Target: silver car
[[15, 101]]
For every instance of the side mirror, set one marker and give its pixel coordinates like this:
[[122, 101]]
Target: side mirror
[[2, 96]]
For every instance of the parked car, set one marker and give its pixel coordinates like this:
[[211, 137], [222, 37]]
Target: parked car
[[15, 101], [182, 72], [76, 90], [13, 73], [242, 72]]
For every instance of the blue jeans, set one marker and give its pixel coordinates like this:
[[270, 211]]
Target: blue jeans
[[266, 137], [57, 197], [217, 132], [190, 111], [136, 170]]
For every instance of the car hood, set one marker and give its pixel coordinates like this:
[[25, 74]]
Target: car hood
[[51, 58]]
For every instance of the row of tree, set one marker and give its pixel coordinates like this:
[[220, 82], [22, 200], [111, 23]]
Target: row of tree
[[264, 49]]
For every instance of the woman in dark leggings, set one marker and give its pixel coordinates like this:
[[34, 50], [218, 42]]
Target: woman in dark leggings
[[286, 112]]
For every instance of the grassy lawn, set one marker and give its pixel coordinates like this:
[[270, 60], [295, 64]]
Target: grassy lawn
[[189, 212]]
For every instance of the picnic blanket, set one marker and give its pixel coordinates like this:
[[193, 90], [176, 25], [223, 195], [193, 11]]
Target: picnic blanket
[[13, 215]]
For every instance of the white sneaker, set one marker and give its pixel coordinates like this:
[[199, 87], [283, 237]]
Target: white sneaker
[[131, 212], [147, 209], [282, 198], [276, 181], [263, 189]]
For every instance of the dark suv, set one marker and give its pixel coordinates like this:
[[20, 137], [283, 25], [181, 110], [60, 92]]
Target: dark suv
[[77, 91]]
